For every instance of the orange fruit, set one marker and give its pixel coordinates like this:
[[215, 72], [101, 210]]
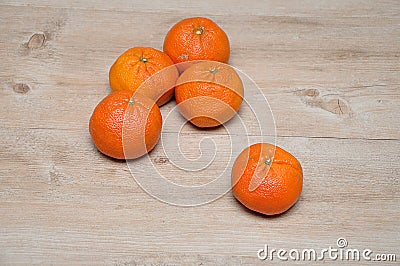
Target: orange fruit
[[133, 69], [209, 93], [125, 126], [196, 39], [267, 179]]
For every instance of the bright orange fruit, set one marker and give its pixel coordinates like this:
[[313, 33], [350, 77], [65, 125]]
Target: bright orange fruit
[[134, 68], [209, 93], [267, 179], [196, 39], [125, 126]]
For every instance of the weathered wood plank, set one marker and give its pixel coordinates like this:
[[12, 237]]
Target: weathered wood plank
[[355, 76], [62, 197], [330, 71], [322, 8]]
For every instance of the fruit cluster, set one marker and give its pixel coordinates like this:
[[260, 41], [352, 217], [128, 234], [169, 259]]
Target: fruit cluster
[[127, 123]]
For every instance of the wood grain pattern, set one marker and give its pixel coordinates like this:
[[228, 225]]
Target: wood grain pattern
[[330, 72]]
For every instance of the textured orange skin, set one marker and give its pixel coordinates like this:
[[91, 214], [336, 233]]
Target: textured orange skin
[[141, 133], [281, 187], [209, 93], [129, 72], [183, 44]]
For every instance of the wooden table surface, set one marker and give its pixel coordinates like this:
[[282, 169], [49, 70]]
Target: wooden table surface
[[330, 72]]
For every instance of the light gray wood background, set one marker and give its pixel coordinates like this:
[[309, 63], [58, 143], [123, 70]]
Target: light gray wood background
[[329, 69]]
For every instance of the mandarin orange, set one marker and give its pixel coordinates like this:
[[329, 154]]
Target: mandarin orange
[[125, 125], [267, 179]]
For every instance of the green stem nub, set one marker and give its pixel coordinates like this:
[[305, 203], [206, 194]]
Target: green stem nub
[[144, 60], [131, 102], [198, 31], [268, 161], [213, 70]]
